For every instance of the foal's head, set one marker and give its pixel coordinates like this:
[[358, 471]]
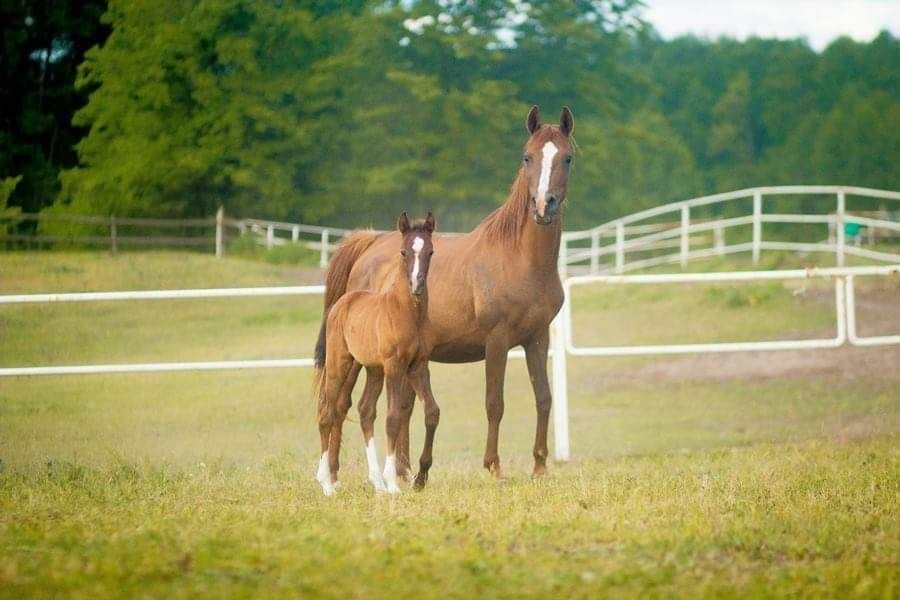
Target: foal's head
[[416, 250], [546, 161]]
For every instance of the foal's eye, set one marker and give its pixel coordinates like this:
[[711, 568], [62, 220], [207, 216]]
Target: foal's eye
[[568, 159]]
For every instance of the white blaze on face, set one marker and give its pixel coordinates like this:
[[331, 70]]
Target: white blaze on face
[[548, 152], [417, 246]]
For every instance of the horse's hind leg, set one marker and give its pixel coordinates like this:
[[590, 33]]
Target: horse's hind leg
[[367, 411], [536, 357], [421, 382], [347, 371]]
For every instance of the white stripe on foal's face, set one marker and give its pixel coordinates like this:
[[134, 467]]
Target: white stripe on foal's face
[[417, 246], [548, 152]]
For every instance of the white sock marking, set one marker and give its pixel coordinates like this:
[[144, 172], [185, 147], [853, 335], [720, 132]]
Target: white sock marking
[[417, 246], [390, 474], [549, 151], [374, 472], [323, 475]]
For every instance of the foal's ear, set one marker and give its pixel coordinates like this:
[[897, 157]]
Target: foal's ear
[[533, 120], [403, 222], [566, 121], [429, 223]]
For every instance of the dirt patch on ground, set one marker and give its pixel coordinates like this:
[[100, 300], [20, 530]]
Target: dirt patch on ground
[[878, 313]]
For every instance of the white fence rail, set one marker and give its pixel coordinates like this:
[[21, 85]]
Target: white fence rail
[[685, 231]]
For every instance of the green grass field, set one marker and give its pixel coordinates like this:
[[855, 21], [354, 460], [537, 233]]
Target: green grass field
[[742, 475]]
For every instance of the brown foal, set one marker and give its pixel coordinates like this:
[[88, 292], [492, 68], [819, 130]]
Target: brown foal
[[494, 288], [389, 334]]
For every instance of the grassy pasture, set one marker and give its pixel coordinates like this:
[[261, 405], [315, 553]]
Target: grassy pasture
[[750, 474]]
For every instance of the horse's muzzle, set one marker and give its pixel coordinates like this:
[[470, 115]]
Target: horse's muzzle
[[551, 209]]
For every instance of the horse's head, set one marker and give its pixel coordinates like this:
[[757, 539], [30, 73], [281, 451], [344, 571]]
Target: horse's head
[[416, 250], [545, 162]]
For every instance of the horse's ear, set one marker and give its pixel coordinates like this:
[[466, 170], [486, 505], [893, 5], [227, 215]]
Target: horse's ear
[[566, 121], [429, 223], [403, 222], [533, 120]]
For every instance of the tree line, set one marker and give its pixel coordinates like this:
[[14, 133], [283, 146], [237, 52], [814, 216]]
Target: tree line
[[347, 112]]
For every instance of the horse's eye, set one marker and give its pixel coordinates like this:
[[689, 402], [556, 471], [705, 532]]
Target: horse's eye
[[431, 253], [527, 158], [568, 159], [403, 253]]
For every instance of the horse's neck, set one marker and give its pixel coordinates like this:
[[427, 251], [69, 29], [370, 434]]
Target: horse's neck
[[513, 225], [416, 306]]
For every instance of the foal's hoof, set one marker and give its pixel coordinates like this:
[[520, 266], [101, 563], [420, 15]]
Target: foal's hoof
[[377, 481], [392, 488]]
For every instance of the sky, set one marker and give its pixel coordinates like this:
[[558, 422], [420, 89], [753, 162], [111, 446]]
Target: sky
[[819, 21]]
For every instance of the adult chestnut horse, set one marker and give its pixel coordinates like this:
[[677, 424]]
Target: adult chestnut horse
[[494, 288]]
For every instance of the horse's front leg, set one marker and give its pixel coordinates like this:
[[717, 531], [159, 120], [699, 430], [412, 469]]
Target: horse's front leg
[[420, 379], [495, 372], [394, 422], [536, 357], [367, 411], [409, 397]]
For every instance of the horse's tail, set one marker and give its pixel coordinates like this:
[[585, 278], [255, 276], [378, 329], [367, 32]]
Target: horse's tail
[[336, 282]]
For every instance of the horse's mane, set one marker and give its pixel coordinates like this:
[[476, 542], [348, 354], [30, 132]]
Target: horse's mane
[[505, 224]]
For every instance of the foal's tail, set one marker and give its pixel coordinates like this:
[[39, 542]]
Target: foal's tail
[[336, 284]]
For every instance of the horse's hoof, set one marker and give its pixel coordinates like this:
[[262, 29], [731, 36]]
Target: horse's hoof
[[378, 481], [539, 471], [421, 480]]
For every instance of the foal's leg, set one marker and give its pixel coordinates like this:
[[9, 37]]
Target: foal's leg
[[342, 405], [403, 454], [326, 418], [495, 372], [367, 412], [536, 357], [394, 424], [421, 382], [338, 365]]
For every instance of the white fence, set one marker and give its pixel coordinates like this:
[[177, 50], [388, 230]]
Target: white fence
[[650, 235]]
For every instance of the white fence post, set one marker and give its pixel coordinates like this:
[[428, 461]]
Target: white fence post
[[220, 224], [270, 237], [113, 234], [685, 228], [841, 235], [323, 255], [295, 233], [757, 225], [719, 239], [560, 388], [595, 248], [620, 247]]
